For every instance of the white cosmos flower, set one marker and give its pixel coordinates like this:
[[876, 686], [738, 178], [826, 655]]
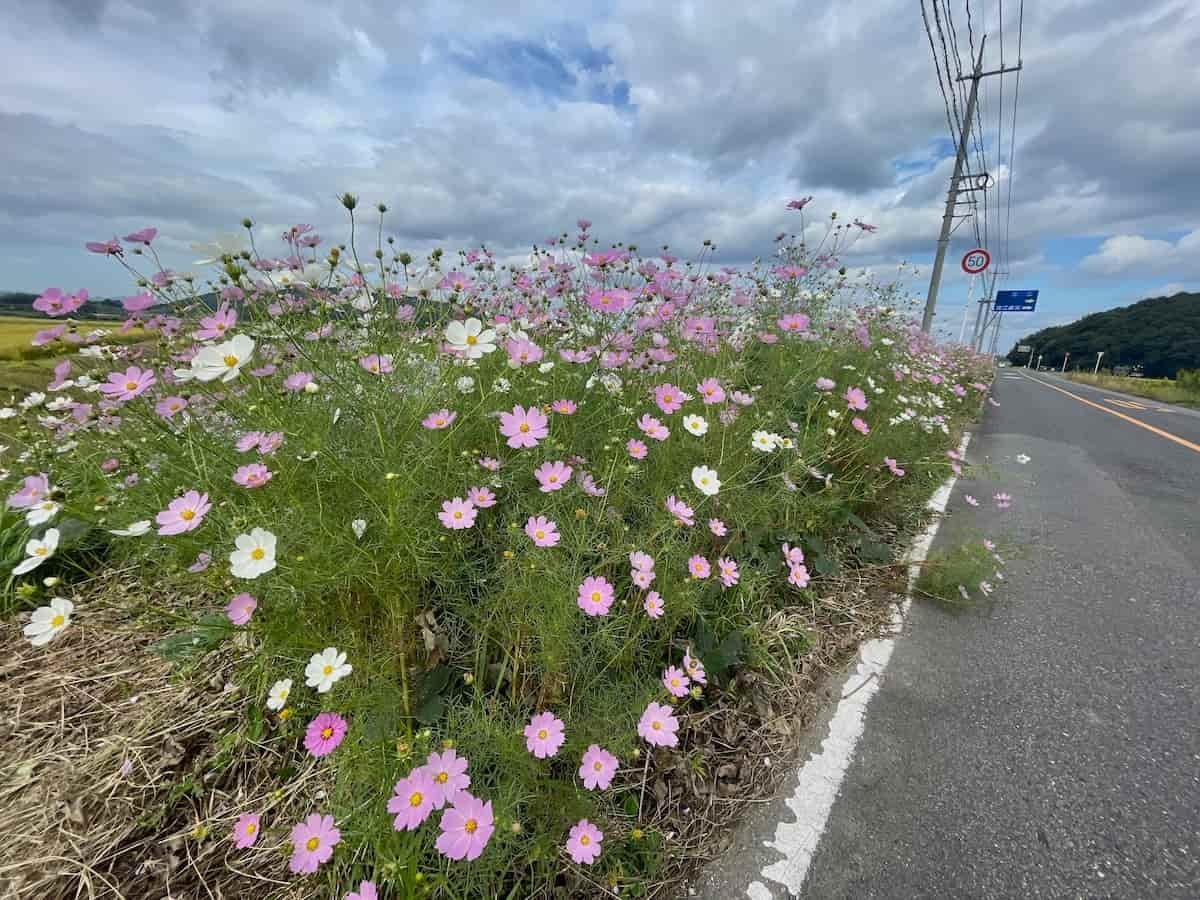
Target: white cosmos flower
[[137, 529], [470, 338], [326, 668], [280, 691], [764, 441], [41, 513], [359, 527], [697, 425], [224, 360], [255, 554], [48, 621], [212, 251], [706, 480], [38, 551], [36, 398], [7, 412]]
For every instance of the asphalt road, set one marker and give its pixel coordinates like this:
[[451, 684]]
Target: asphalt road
[[1044, 742]]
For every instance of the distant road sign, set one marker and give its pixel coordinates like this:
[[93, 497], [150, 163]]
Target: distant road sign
[[1015, 301], [976, 261], [1024, 348]]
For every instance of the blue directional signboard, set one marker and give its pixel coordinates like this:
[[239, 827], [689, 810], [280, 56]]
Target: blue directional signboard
[[1015, 301]]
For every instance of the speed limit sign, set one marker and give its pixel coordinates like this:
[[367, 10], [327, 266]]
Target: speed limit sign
[[976, 261]]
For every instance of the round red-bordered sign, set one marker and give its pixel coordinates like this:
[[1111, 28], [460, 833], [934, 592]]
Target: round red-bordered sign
[[976, 261]]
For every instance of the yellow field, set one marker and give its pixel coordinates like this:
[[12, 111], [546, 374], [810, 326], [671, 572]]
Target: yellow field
[[16, 332], [1162, 389]]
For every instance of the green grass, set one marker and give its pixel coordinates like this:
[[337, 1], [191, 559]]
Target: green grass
[[1164, 390], [17, 331]]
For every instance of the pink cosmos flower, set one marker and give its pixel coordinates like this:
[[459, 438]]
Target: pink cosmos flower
[[798, 575], [588, 485], [971, 501], [552, 476], [595, 596], [448, 773], [989, 545], [248, 441], [122, 386], [523, 353], [564, 407], [695, 668], [641, 561], [324, 733], [34, 489], [653, 428], [717, 527], [825, 384], [642, 578], [698, 567], [492, 465], [168, 407], [442, 418], [711, 391], [598, 768], [61, 371], [203, 559], [658, 726], [524, 427], [1003, 501], [544, 735], [183, 513], [457, 513], [728, 569], [681, 511], [542, 531], [792, 555], [216, 325], [54, 303], [676, 682], [246, 830], [46, 335], [313, 841], [412, 799], [240, 608], [252, 475], [609, 300], [893, 467], [145, 236], [366, 891], [799, 204], [377, 364], [481, 497], [636, 448], [860, 426], [653, 605], [793, 322], [668, 398], [297, 381], [959, 390], [855, 398], [467, 827], [741, 398], [583, 843]]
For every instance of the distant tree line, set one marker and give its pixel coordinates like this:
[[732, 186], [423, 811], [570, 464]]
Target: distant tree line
[[1162, 335]]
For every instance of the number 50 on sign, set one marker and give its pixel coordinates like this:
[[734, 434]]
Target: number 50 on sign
[[976, 261]]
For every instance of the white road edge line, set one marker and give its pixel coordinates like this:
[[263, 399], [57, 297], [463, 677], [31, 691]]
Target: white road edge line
[[820, 778]]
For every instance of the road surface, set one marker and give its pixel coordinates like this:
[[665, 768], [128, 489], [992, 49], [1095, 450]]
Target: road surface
[[1044, 743]]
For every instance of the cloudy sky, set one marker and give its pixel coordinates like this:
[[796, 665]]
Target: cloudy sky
[[661, 122]]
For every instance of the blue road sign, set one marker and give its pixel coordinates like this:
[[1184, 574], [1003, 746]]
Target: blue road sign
[[1015, 301]]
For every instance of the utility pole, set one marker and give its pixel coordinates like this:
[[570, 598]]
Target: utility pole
[[939, 259], [1065, 358], [1098, 357], [1039, 365]]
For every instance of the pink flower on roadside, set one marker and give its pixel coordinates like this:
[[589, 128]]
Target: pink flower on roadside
[[123, 386], [728, 570], [642, 578], [46, 335], [248, 441], [741, 398], [711, 391], [564, 407], [1003, 501], [668, 398], [552, 476], [524, 427], [653, 605], [681, 511], [583, 842], [467, 827], [252, 475], [217, 325], [297, 381], [168, 407], [366, 891], [717, 527], [241, 608], [608, 300], [893, 467], [970, 501], [377, 364], [313, 841], [855, 398], [825, 384], [202, 562], [636, 448], [34, 489], [457, 513], [792, 555], [653, 428], [595, 596], [860, 426], [246, 830], [492, 465], [324, 734], [183, 513], [481, 497], [448, 774], [442, 418], [676, 682], [793, 322], [412, 799], [695, 668], [597, 768], [798, 575], [698, 567], [523, 353], [544, 735], [640, 561], [658, 726], [542, 531]]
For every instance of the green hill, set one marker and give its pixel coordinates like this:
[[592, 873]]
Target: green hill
[[1161, 334]]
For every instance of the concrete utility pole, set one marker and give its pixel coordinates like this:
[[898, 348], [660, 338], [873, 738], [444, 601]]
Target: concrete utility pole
[[1098, 358], [1065, 358], [1039, 365], [939, 259]]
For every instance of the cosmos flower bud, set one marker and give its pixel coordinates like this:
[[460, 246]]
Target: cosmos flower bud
[[349, 201]]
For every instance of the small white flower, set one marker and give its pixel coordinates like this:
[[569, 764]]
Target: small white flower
[[697, 425], [326, 668], [311, 388], [465, 384], [764, 441], [545, 367], [37, 398], [137, 529], [470, 338], [255, 554], [49, 621], [38, 551], [706, 480], [223, 361], [41, 513], [58, 404], [501, 385], [1022, 458], [278, 697], [359, 527]]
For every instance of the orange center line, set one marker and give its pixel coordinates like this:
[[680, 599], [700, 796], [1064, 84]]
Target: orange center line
[[1183, 442]]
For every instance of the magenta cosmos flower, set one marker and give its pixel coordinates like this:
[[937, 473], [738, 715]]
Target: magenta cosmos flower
[[855, 398], [442, 418], [482, 497], [457, 513], [324, 734], [252, 476], [167, 407], [523, 353], [681, 511], [636, 448], [893, 467], [552, 476], [544, 735], [490, 463], [825, 384], [597, 768], [297, 381], [542, 531], [412, 800], [241, 608], [33, 490], [524, 427], [564, 407], [366, 891], [313, 841], [860, 426], [694, 668], [448, 774], [717, 527], [467, 827], [183, 513], [727, 569], [653, 428], [711, 391], [658, 726], [653, 605], [246, 830], [668, 398], [676, 682], [595, 596], [377, 364], [583, 844], [609, 300], [216, 325], [698, 567], [122, 386], [798, 575]]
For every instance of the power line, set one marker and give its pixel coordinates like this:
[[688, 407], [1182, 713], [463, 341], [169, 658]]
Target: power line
[[1000, 138], [938, 69], [1012, 147]]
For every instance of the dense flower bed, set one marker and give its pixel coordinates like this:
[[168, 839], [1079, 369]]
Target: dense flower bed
[[492, 535]]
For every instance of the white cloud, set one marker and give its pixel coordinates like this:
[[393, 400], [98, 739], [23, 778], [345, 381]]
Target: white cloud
[[1139, 256]]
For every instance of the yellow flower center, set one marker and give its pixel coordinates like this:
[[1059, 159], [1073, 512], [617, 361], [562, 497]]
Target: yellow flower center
[[312, 843], [232, 361], [441, 777], [584, 840], [540, 534], [674, 682], [704, 480], [542, 734], [470, 826], [57, 621], [326, 732], [130, 385], [439, 421], [657, 726], [595, 596], [220, 326], [187, 515], [415, 798], [597, 765], [457, 514], [251, 827], [552, 479], [40, 551], [472, 340], [258, 553], [328, 670], [667, 398], [524, 427]]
